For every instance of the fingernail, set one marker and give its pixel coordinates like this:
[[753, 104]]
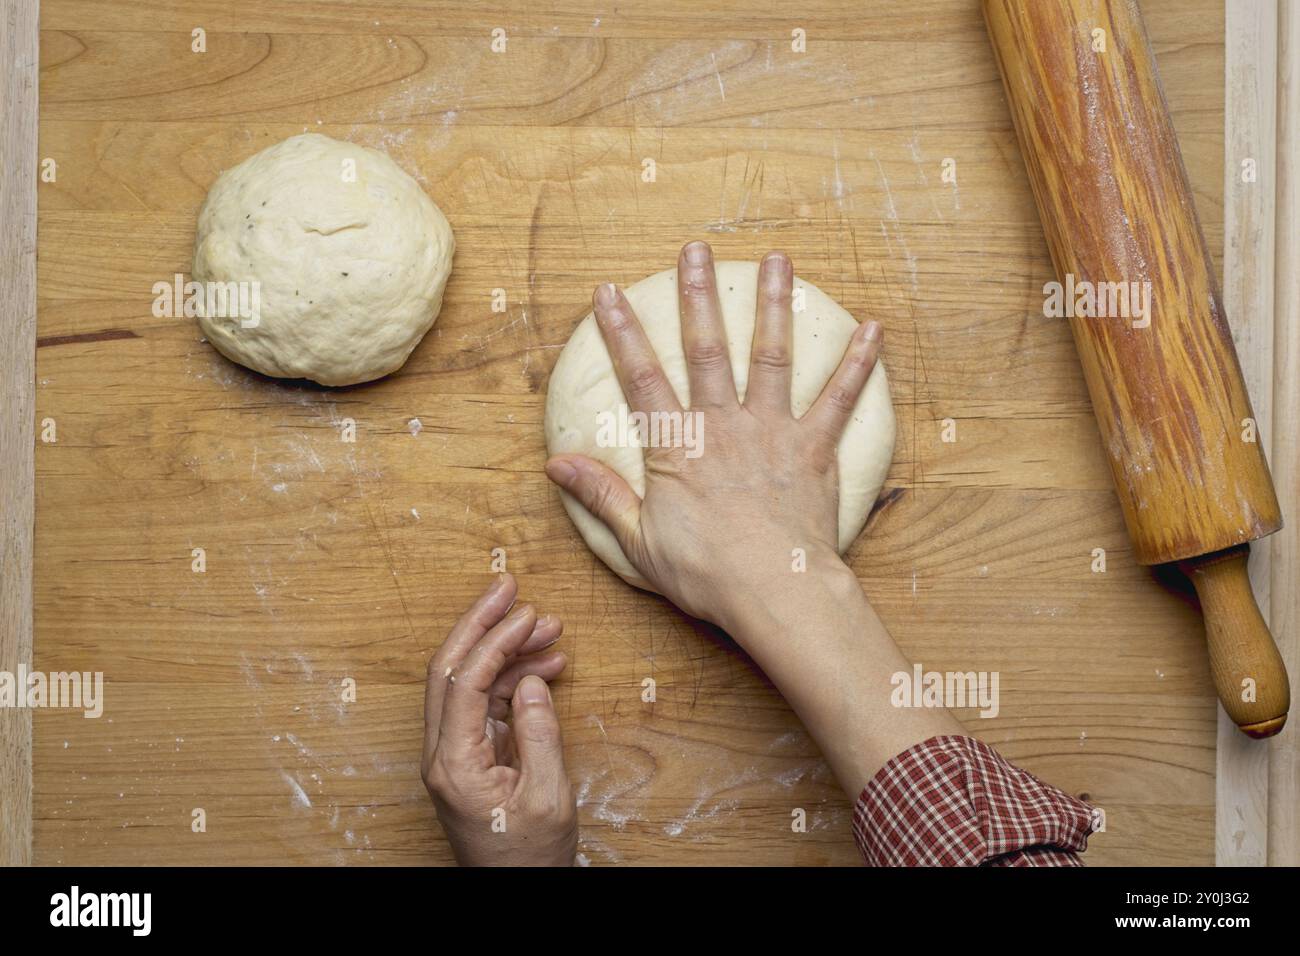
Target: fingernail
[[533, 690], [871, 331], [606, 295], [774, 275], [776, 260], [498, 584], [520, 611], [561, 472], [697, 253]]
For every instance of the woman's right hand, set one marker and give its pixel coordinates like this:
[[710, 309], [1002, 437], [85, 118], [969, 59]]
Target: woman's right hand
[[715, 529]]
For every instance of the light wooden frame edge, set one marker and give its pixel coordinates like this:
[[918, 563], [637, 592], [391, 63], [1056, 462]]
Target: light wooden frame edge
[[19, 72], [1284, 572], [1257, 783]]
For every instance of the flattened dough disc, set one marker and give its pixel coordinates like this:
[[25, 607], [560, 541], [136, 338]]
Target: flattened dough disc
[[583, 385]]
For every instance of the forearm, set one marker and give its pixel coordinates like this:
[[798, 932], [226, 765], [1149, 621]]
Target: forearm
[[818, 639]]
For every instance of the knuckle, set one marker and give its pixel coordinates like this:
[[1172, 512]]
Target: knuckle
[[707, 354], [543, 733], [548, 803], [824, 462], [643, 379], [616, 319], [842, 398], [859, 360], [435, 666], [771, 357], [603, 494], [697, 283], [437, 779]]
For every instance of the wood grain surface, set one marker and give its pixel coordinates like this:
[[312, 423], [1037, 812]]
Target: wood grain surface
[[328, 560]]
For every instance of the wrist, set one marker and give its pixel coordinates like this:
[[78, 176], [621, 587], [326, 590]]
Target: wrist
[[778, 597]]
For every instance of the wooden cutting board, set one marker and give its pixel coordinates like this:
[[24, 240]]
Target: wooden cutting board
[[327, 560]]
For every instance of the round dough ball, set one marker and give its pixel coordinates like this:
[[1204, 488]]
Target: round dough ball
[[583, 386], [350, 269]]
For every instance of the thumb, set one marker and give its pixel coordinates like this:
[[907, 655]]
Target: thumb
[[600, 490], [537, 733]]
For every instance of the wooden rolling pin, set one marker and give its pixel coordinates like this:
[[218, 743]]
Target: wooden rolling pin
[[1166, 387]]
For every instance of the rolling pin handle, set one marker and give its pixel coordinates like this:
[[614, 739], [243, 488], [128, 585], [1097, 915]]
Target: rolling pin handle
[[1242, 652]]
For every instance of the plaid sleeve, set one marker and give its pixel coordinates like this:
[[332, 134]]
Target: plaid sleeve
[[953, 801]]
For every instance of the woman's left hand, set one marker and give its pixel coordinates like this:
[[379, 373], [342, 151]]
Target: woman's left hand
[[501, 791]]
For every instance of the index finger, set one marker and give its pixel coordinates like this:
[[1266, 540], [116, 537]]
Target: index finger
[[636, 363], [483, 614], [465, 707]]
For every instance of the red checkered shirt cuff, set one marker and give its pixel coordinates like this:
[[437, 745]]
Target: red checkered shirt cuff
[[953, 801]]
